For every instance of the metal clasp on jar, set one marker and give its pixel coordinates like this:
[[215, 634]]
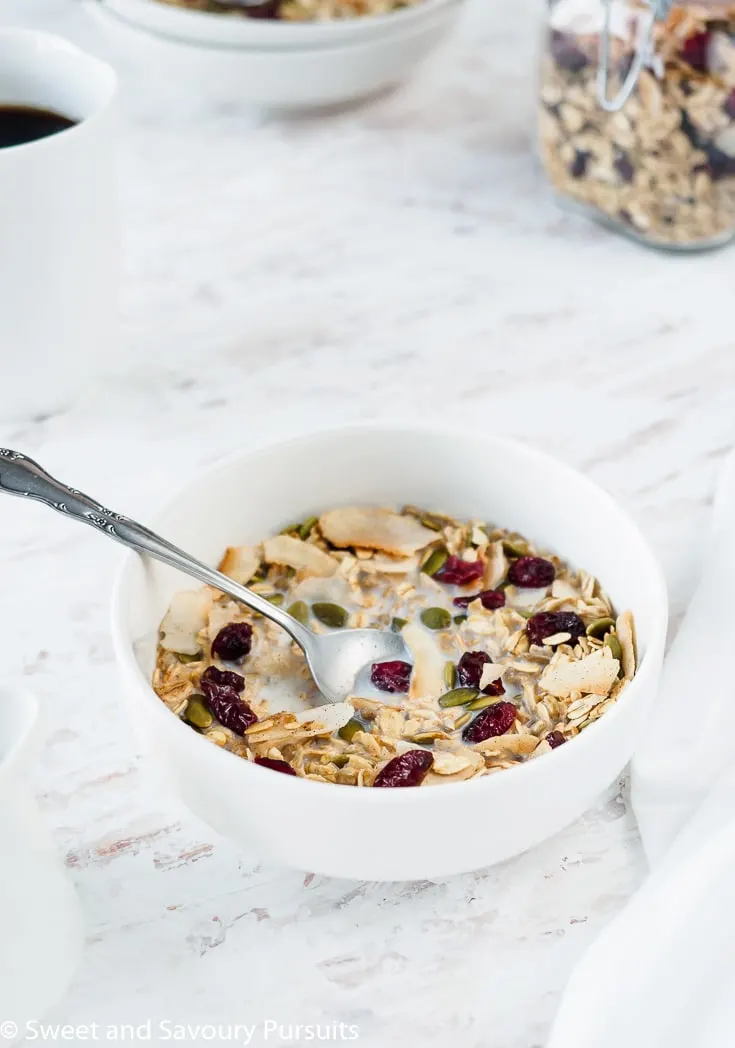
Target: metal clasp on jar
[[657, 10]]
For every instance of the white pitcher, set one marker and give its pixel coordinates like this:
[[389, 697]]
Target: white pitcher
[[40, 919]]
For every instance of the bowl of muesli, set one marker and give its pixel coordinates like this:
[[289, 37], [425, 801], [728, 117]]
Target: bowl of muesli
[[533, 615], [293, 54]]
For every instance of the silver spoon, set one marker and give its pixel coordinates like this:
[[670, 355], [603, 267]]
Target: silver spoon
[[335, 659]]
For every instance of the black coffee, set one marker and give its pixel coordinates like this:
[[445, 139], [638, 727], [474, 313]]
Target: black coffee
[[21, 124]]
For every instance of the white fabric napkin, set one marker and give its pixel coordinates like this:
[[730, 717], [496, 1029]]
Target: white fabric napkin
[[662, 973]]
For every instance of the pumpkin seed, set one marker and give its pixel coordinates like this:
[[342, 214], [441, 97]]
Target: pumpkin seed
[[275, 598], [436, 618], [450, 674], [330, 614], [458, 697], [612, 642], [461, 721], [427, 736], [306, 528], [459, 619], [349, 730], [340, 760], [299, 611], [397, 625], [198, 715], [433, 521], [483, 702], [515, 548], [599, 628], [435, 562], [189, 658]]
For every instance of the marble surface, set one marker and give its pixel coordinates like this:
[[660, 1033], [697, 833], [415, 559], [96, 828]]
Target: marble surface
[[398, 258]]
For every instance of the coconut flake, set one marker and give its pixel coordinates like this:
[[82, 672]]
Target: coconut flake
[[240, 563], [381, 529], [186, 616], [427, 679], [302, 556], [490, 673], [595, 674]]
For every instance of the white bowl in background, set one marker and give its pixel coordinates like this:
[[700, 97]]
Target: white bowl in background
[[320, 74], [398, 834], [222, 30]]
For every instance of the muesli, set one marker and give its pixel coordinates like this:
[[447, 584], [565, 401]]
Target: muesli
[[513, 652], [296, 10]]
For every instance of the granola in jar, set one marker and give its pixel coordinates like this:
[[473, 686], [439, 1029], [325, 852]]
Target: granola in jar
[[660, 166], [513, 652], [297, 10]]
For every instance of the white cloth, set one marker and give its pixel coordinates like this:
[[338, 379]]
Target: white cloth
[[662, 973]]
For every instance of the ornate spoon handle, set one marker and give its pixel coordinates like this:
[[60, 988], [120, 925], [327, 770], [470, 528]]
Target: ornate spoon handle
[[21, 476]]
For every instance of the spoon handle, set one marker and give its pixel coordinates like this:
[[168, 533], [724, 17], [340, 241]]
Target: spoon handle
[[20, 475]]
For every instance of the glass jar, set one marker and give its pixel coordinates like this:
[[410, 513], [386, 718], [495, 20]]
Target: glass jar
[[637, 116]]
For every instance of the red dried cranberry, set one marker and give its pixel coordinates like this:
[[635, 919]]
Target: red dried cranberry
[[578, 166], [624, 167], [282, 766], [730, 105], [493, 721], [566, 54], [233, 642], [222, 690], [469, 673], [547, 623], [491, 599], [531, 572], [719, 164], [555, 739], [409, 769], [695, 51], [391, 676], [457, 572]]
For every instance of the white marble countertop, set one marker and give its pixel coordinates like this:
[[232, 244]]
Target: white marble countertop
[[398, 257]]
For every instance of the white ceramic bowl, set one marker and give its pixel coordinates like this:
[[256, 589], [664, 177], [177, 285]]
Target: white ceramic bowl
[[333, 63], [400, 834]]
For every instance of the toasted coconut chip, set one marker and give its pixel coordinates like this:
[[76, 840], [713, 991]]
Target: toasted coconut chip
[[221, 614], [594, 674], [502, 745], [289, 728], [496, 565], [390, 565], [563, 590], [452, 763], [427, 679], [490, 674], [334, 590], [389, 722], [543, 747], [303, 556], [186, 616], [625, 630], [240, 563], [375, 529]]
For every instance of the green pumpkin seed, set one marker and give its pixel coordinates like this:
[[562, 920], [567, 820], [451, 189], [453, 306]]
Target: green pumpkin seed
[[483, 702], [299, 611], [435, 562], [436, 618], [515, 548], [397, 625], [612, 642], [275, 598], [340, 760], [461, 721], [458, 697], [459, 619], [198, 715], [423, 737], [307, 527], [599, 628], [349, 730], [450, 674], [330, 614], [189, 658]]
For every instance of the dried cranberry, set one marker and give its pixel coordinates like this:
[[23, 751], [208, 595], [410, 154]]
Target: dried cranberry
[[222, 689], [493, 721], [566, 54], [409, 769], [267, 9], [282, 766], [457, 572], [233, 642], [555, 739], [491, 599], [578, 166], [469, 673], [391, 676], [547, 623], [531, 572], [730, 105], [695, 51], [719, 164], [624, 167]]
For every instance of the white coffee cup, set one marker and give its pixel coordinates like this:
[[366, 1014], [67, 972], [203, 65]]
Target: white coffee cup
[[59, 237]]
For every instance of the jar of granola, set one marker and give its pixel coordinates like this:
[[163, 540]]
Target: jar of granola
[[637, 116]]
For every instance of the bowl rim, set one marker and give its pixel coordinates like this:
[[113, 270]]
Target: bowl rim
[[206, 29], [125, 656]]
